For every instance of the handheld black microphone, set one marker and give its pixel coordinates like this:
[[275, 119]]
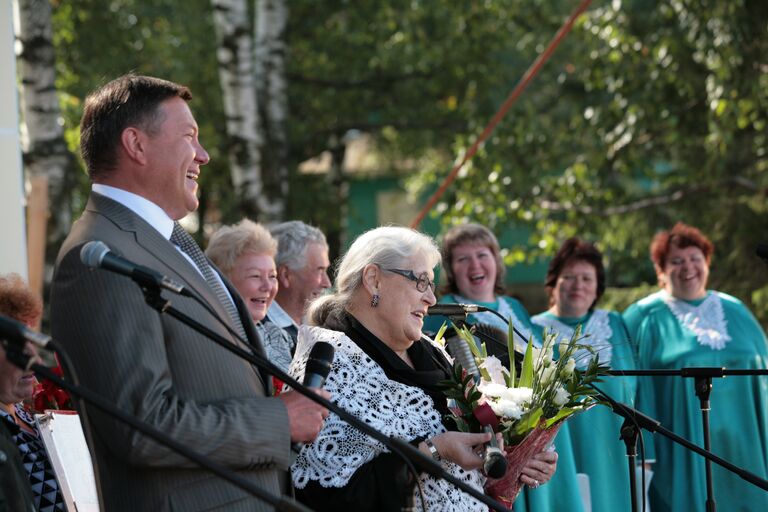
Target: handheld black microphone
[[97, 254], [318, 365], [317, 369], [495, 464], [454, 309], [18, 333]]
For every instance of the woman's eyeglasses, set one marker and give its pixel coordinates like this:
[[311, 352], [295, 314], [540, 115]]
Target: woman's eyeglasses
[[422, 280]]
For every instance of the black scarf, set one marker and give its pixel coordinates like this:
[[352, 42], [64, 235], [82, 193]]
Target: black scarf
[[429, 364]]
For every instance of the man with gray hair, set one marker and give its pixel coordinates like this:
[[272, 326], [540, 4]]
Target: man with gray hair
[[302, 271]]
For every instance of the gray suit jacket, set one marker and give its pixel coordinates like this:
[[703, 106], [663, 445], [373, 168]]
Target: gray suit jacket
[[152, 366]]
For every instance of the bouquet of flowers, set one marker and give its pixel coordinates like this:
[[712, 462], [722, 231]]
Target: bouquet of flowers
[[527, 405]]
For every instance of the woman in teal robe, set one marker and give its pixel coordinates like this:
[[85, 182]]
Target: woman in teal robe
[[682, 326], [475, 274], [575, 282]]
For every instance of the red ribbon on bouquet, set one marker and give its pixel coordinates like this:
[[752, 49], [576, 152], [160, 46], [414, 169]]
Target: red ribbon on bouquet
[[485, 415]]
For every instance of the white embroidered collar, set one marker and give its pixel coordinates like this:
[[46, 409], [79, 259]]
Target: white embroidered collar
[[707, 320], [598, 327]]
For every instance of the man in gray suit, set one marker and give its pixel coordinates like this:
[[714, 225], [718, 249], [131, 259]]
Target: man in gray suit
[[139, 141]]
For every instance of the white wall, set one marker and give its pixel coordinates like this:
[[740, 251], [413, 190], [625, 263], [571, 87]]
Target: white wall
[[13, 245]]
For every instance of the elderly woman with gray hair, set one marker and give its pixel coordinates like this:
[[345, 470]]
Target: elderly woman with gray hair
[[245, 253], [385, 373]]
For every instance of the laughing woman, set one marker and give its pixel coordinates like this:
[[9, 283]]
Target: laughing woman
[[475, 274], [686, 325], [245, 253], [387, 375], [575, 282]]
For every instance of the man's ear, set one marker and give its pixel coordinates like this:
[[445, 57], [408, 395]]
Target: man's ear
[[283, 276], [133, 142], [372, 278]]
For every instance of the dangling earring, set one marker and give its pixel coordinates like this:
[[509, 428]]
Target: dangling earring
[[375, 300]]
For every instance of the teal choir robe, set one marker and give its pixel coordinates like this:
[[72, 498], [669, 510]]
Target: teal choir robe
[[598, 451], [716, 331]]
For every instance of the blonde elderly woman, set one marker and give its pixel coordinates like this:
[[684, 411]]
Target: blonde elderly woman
[[245, 253], [386, 374]]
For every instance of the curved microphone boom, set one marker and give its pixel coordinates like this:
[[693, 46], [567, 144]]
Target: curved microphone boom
[[455, 309], [495, 464], [96, 254]]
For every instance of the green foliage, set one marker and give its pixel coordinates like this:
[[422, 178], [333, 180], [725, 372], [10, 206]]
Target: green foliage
[[648, 113], [97, 41]]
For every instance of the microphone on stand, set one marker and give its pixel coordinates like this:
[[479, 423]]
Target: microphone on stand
[[96, 254], [455, 309], [495, 464], [18, 333]]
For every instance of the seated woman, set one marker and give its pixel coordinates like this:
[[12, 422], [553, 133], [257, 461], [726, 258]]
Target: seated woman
[[686, 325], [18, 302], [575, 282], [386, 374], [245, 253]]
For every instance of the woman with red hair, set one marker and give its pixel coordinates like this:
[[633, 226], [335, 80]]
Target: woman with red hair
[[685, 325]]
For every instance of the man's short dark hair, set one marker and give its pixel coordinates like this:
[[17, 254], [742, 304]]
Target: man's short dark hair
[[131, 100]]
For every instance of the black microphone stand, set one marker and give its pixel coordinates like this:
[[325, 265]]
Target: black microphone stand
[[154, 298], [280, 503], [702, 387]]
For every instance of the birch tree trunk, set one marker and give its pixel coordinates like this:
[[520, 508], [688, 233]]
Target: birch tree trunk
[[270, 36], [238, 84], [44, 149]]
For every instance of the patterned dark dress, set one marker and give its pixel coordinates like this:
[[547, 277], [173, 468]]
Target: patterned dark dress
[[45, 487]]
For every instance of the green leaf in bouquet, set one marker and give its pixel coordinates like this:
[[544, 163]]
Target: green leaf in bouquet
[[466, 335], [440, 333], [563, 413], [526, 373], [461, 425], [512, 377], [529, 421]]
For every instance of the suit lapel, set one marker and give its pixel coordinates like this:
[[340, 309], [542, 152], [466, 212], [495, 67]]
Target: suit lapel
[[173, 262]]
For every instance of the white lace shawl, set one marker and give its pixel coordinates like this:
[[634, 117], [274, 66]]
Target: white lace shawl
[[707, 320], [599, 329], [361, 387]]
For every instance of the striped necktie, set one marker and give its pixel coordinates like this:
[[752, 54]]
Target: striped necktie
[[186, 243]]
